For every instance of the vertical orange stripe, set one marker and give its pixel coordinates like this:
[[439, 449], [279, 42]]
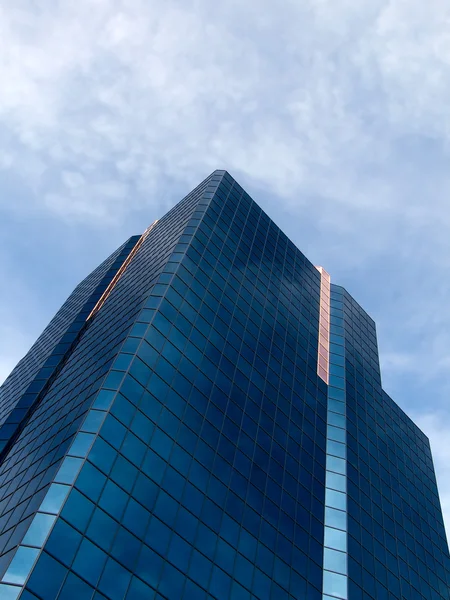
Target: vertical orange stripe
[[323, 370], [120, 272]]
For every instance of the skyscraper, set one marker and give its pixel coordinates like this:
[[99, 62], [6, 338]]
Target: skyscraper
[[204, 418]]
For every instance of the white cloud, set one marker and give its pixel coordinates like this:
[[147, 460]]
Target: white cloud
[[302, 98]]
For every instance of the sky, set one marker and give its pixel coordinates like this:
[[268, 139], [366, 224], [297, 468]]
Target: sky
[[332, 115]]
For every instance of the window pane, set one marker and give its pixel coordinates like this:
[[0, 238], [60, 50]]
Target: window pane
[[335, 518], [68, 470], [336, 499], [336, 481], [38, 530], [21, 565], [336, 539], [336, 406], [335, 419], [336, 434], [336, 448], [9, 592], [335, 585], [55, 498], [336, 561], [93, 421], [338, 465], [81, 444]]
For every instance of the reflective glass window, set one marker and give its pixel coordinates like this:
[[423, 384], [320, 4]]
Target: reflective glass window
[[336, 539], [68, 470], [81, 444], [335, 518], [333, 560], [54, 498], [335, 585], [9, 592], [38, 530], [21, 565]]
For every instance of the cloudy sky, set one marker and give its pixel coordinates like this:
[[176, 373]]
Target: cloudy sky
[[334, 115]]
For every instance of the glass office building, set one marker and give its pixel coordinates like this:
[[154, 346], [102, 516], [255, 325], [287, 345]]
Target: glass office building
[[204, 418]]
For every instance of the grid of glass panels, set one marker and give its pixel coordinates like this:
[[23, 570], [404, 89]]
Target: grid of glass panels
[[207, 477], [27, 368], [335, 583], [188, 449], [44, 519], [31, 464], [43, 379]]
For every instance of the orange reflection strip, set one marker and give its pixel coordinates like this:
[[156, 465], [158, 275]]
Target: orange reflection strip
[[120, 272], [323, 370]]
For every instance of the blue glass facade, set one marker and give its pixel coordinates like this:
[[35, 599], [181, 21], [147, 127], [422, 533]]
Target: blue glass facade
[[335, 553], [185, 446]]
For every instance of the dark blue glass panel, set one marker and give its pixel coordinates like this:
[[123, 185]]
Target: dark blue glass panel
[[47, 576]]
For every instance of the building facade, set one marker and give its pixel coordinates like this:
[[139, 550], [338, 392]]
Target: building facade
[[204, 418]]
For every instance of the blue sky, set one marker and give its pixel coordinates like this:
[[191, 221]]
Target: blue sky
[[333, 115]]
